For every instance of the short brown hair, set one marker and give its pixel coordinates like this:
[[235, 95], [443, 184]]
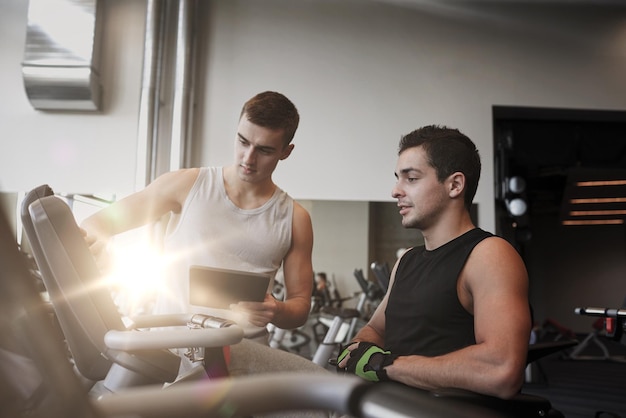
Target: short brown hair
[[274, 111], [448, 151]]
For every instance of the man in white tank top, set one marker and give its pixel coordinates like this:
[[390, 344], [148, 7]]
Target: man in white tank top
[[266, 227], [233, 217]]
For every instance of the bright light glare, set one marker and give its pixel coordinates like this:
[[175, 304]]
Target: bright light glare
[[136, 276]]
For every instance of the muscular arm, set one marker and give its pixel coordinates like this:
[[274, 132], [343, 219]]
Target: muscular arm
[[298, 270], [166, 193], [494, 286]]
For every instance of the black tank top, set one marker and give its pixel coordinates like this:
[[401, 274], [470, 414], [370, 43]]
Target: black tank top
[[424, 315]]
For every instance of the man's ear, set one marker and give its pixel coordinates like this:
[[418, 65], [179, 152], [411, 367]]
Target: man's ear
[[456, 184], [287, 151]]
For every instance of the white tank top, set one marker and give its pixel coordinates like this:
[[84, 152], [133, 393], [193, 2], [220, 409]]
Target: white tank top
[[211, 231]]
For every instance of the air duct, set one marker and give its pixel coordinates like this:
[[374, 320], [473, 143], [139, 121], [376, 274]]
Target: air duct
[[60, 67]]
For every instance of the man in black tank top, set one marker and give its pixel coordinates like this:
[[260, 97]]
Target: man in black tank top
[[456, 314]]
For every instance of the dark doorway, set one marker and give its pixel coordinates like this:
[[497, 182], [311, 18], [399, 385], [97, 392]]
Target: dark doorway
[[569, 266]]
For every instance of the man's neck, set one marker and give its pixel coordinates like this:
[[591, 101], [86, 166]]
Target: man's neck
[[246, 195], [446, 231]]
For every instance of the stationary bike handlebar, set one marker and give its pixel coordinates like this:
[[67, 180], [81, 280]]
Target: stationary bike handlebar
[[604, 312], [614, 319], [272, 393]]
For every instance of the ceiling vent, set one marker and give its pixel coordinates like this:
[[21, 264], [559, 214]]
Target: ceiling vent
[[60, 67]]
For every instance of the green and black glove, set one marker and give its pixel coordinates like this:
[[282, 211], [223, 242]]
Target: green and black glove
[[367, 361]]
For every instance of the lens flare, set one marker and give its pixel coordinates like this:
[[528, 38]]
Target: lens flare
[[136, 276]]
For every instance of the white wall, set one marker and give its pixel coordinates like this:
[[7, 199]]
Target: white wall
[[73, 152], [361, 73]]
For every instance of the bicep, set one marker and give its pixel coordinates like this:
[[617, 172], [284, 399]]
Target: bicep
[[499, 289], [165, 194], [298, 266]]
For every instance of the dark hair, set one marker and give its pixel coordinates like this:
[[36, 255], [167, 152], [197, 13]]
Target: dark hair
[[273, 111], [448, 151]]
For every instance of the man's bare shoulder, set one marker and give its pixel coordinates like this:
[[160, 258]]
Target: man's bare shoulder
[[301, 217], [173, 186], [183, 178], [299, 210], [182, 175], [492, 259], [493, 246]]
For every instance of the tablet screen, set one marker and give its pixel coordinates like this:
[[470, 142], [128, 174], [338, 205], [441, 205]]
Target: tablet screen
[[219, 288]]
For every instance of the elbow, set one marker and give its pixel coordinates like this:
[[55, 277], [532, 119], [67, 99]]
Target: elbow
[[509, 391], [299, 320], [509, 383], [305, 310], [292, 313]]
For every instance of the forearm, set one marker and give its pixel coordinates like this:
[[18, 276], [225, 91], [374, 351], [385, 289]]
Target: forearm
[[370, 334], [292, 313], [468, 369], [119, 217], [98, 225]]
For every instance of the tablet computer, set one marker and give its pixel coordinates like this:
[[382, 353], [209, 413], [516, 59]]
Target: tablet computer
[[219, 288]]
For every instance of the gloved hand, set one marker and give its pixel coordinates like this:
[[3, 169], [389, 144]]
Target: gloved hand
[[367, 361]]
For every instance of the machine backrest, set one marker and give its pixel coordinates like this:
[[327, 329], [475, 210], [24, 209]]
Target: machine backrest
[[81, 300], [37, 193]]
